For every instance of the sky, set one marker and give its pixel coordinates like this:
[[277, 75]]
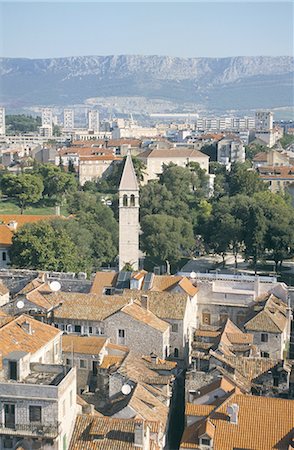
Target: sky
[[39, 29]]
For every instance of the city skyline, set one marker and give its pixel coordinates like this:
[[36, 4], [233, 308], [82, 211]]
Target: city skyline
[[190, 29]]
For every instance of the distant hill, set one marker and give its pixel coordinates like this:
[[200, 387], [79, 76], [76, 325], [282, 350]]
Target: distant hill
[[217, 83]]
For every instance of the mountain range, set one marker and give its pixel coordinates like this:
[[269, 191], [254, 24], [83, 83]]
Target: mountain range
[[239, 83]]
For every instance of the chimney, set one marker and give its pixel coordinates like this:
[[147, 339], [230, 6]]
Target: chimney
[[145, 302], [26, 326], [139, 435], [12, 225], [232, 411], [154, 358]]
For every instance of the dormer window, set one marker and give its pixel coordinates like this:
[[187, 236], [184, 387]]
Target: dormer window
[[205, 441]]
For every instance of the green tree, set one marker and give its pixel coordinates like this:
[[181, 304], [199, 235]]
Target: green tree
[[42, 246], [244, 181], [166, 238], [253, 149], [21, 124], [25, 188], [57, 184]]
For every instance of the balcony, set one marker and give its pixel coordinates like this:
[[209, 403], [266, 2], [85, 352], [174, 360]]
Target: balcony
[[30, 430]]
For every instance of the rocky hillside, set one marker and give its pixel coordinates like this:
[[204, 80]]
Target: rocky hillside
[[239, 82]]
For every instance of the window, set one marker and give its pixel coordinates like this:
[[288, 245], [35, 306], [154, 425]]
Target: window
[[264, 354], [12, 370], [264, 337], [90, 330], [83, 364], [3, 256], [132, 200], [68, 362], [77, 328], [206, 318], [205, 441], [175, 327], [125, 200], [176, 352], [35, 414], [121, 333]]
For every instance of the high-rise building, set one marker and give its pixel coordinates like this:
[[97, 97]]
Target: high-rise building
[[47, 122], [47, 117], [93, 120], [129, 217], [2, 121], [264, 120], [68, 119]]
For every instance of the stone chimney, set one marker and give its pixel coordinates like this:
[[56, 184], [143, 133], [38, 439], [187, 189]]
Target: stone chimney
[[145, 302], [232, 411], [26, 326], [154, 358], [12, 225], [139, 435]]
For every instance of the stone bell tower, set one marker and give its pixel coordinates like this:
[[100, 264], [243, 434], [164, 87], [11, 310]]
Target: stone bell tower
[[128, 216]]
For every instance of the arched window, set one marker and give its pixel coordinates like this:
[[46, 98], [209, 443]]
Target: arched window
[[176, 352], [125, 200], [132, 200]]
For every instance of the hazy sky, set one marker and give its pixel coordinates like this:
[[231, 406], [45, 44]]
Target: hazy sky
[[215, 29]]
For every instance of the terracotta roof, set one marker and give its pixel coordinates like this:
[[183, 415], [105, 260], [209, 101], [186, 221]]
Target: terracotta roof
[[198, 410], [147, 317], [102, 280], [276, 172], [263, 423], [111, 433], [6, 234], [147, 406], [165, 282], [13, 336], [220, 383], [207, 333], [86, 306], [248, 367], [137, 369], [160, 364], [110, 361], [271, 319], [262, 156], [87, 345], [188, 287]]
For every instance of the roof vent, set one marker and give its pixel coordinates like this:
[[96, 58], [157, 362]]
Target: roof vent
[[26, 326]]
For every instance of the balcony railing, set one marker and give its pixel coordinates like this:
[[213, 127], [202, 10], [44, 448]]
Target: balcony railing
[[29, 429]]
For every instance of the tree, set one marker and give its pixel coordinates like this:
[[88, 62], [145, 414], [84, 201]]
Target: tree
[[279, 215], [166, 238], [42, 246], [56, 182], [244, 181], [24, 188], [253, 149], [21, 124]]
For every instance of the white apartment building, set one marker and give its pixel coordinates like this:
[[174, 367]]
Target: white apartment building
[[46, 130], [93, 121], [264, 120], [230, 150], [2, 122], [224, 123], [68, 119]]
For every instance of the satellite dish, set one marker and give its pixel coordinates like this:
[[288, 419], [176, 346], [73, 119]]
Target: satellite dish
[[55, 286], [126, 389], [20, 304], [193, 275]]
